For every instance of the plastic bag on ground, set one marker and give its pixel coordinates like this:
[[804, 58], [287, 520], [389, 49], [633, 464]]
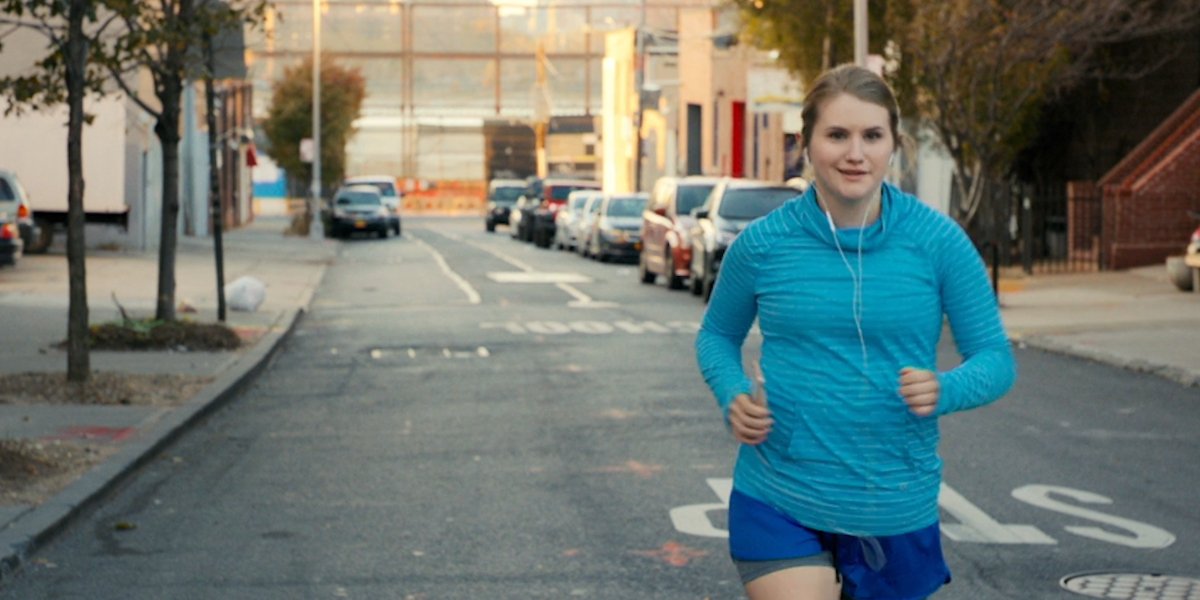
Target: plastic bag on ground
[[245, 294]]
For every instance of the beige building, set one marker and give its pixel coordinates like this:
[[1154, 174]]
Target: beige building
[[709, 106]]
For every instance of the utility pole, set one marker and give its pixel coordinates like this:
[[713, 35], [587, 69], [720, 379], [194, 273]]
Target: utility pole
[[640, 81], [860, 32], [315, 227], [541, 112]]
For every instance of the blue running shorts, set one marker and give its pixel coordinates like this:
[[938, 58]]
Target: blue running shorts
[[908, 566]]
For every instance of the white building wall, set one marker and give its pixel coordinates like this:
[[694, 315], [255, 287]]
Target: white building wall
[[935, 173]]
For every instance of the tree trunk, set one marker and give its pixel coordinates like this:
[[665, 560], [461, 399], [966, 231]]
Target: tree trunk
[[971, 186], [78, 359], [167, 130]]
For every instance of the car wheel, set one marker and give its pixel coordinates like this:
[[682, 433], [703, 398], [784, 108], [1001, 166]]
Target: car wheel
[[41, 242], [674, 282], [644, 273], [490, 226]]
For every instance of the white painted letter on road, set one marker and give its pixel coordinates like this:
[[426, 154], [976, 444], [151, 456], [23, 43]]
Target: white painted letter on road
[[693, 518], [1144, 536], [976, 526]]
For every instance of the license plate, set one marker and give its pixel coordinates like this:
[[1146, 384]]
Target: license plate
[[360, 224]]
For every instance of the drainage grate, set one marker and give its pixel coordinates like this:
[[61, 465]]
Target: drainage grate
[[1135, 586]]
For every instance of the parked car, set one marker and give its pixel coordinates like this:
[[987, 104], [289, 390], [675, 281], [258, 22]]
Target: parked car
[[587, 221], [11, 246], [565, 221], [502, 195], [14, 202], [388, 194], [358, 208], [554, 195], [666, 224], [616, 233], [729, 208]]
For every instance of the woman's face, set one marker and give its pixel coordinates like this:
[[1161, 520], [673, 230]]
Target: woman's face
[[850, 149]]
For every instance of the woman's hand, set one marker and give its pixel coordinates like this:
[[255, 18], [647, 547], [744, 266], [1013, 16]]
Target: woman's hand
[[750, 419], [920, 389]]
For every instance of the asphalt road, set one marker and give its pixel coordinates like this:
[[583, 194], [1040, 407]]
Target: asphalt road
[[465, 416]]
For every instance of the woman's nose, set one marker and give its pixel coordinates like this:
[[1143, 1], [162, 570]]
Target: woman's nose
[[856, 153]]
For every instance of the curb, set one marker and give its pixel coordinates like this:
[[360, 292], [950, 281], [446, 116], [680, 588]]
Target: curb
[[33, 529], [1185, 377]]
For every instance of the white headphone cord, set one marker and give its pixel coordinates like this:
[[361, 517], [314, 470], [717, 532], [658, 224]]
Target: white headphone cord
[[856, 277]]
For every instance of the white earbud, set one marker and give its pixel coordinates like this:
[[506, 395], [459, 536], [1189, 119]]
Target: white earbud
[[832, 227]]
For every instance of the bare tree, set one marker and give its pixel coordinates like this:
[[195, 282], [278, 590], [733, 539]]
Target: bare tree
[[983, 70], [165, 38], [74, 33]]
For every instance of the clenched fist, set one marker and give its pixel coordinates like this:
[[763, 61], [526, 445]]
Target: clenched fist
[[920, 389], [750, 419]]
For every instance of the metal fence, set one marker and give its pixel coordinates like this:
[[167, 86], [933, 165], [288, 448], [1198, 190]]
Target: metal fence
[[1040, 229], [1058, 233]]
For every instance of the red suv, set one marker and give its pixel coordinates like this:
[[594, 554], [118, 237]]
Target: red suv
[[666, 223]]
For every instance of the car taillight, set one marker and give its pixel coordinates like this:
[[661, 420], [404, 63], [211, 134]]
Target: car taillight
[[1196, 236], [6, 231], [23, 211]]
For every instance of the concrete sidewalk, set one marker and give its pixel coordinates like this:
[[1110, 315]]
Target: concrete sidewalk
[[1135, 319]]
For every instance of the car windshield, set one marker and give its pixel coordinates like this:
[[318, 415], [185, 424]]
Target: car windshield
[[752, 203], [385, 188], [506, 195], [6, 192], [358, 199], [626, 207], [578, 201], [560, 192], [690, 196]]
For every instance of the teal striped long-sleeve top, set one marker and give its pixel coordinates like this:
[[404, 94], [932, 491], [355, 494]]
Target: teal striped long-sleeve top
[[845, 455]]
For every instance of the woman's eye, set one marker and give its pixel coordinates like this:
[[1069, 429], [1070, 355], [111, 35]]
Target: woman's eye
[[837, 135], [874, 135]]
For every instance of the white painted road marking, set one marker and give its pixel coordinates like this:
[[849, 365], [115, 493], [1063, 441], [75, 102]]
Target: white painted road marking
[[463, 284], [1144, 536], [974, 525], [560, 280], [693, 518], [592, 327], [537, 277]]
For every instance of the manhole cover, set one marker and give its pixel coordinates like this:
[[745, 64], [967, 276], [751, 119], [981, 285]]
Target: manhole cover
[[1138, 586]]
